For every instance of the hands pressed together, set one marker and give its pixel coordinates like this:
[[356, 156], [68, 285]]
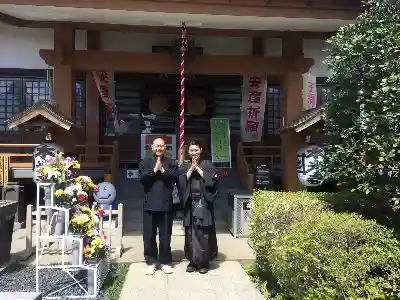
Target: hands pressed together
[[158, 166], [194, 166]]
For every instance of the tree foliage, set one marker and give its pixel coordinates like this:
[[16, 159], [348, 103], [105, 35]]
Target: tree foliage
[[362, 118]]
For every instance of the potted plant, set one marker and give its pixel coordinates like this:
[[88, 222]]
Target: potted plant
[[57, 169], [96, 254], [96, 249], [82, 224], [88, 186]]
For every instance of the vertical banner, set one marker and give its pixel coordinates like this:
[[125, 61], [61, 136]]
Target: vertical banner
[[309, 92], [220, 142], [254, 96], [146, 140], [103, 86], [111, 84]]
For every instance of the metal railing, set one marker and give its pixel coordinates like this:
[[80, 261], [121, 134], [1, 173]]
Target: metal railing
[[112, 228]]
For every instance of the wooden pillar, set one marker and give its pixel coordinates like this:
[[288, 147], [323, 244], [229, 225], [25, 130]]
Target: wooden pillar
[[257, 49], [92, 130], [292, 48], [64, 80]]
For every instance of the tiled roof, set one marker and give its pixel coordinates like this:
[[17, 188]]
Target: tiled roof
[[44, 109], [304, 118]]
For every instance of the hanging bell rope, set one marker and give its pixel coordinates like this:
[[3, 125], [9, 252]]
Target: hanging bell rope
[[184, 44]]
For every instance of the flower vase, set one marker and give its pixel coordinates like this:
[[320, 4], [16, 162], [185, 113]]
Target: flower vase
[[59, 227], [76, 250], [90, 280], [47, 200]]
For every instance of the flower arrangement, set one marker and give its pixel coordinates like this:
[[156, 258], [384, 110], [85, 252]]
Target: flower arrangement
[[70, 196], [96, 248], [83, 222], [57, 169], [86, 183]]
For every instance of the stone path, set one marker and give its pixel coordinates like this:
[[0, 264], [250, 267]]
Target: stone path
[[226, 281], [229, 249]]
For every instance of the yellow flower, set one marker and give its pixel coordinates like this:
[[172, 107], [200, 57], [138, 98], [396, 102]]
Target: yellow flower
[[59, 193], [86, 210], [46, 170]]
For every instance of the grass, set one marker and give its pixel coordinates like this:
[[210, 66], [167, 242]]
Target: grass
[[115, 280], [262, 280]]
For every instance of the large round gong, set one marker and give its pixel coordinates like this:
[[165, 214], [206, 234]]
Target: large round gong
[[158, 104], [196, 105]]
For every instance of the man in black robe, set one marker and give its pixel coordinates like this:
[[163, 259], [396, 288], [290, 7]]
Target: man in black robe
[[198, 192], [158, 174]]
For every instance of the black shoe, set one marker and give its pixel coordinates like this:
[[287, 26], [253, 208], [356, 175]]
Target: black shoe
[[190, 268], [203, 271]]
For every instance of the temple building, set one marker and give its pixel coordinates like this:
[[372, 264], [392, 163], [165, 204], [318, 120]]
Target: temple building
[[113, 68]]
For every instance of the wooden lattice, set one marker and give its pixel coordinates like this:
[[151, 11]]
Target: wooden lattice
[[4, 169]]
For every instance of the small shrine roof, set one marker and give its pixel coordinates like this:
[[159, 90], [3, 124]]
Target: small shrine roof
[[43, 109], [305, 119]]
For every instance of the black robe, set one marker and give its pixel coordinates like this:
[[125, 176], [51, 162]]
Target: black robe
[[197, 197]]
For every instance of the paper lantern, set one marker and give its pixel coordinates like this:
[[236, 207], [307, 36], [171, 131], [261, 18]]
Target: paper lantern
[[106, 193], [196, 105], [307, 160], [48, 149], [158, 104]]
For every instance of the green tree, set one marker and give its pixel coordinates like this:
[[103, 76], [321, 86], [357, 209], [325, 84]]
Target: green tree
[[362, 118]]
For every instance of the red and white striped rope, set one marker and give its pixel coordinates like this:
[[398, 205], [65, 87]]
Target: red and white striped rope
[[182, 103]]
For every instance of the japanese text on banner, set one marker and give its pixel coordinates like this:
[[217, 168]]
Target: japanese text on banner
[[309, 92], [253, 108], [220, 142]]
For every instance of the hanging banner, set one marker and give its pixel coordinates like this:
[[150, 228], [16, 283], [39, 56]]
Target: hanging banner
[[220, 143], [146, 140], [309, 92], [103, 86], [254, 95]]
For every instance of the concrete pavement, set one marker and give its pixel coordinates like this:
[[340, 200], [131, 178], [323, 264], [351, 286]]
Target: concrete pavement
[[226, 281]]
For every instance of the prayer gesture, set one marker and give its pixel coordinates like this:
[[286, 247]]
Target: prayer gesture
[[194, 164], [158, 165]]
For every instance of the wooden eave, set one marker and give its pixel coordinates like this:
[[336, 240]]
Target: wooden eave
[[120, 61], [323, 9], [44, 110], [305, 120]]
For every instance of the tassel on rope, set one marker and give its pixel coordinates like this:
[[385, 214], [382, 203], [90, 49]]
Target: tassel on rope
[[182, 103]]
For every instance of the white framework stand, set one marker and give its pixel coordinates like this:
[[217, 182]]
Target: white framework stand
[[96, 273]]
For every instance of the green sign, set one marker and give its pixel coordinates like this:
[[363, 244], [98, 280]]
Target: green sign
[[220, 142]]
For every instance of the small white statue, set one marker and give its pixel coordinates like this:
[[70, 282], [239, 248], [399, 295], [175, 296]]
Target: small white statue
[[105, 194]]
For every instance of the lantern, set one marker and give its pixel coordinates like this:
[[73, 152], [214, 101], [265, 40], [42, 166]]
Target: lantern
[[48, 149], [307, 160]]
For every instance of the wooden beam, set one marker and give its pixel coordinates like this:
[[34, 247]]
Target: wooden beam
[[18, 22], [289, 9], [119, 61], [257, 47]]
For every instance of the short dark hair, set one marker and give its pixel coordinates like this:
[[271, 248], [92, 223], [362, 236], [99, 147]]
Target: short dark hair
[[195, 143], [158, 138]]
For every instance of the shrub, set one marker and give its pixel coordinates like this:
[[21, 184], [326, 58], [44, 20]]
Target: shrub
[[275, 213], [337, 256]]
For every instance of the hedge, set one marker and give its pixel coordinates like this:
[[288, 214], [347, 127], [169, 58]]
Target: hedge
[[275, 213], [312, 253]]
